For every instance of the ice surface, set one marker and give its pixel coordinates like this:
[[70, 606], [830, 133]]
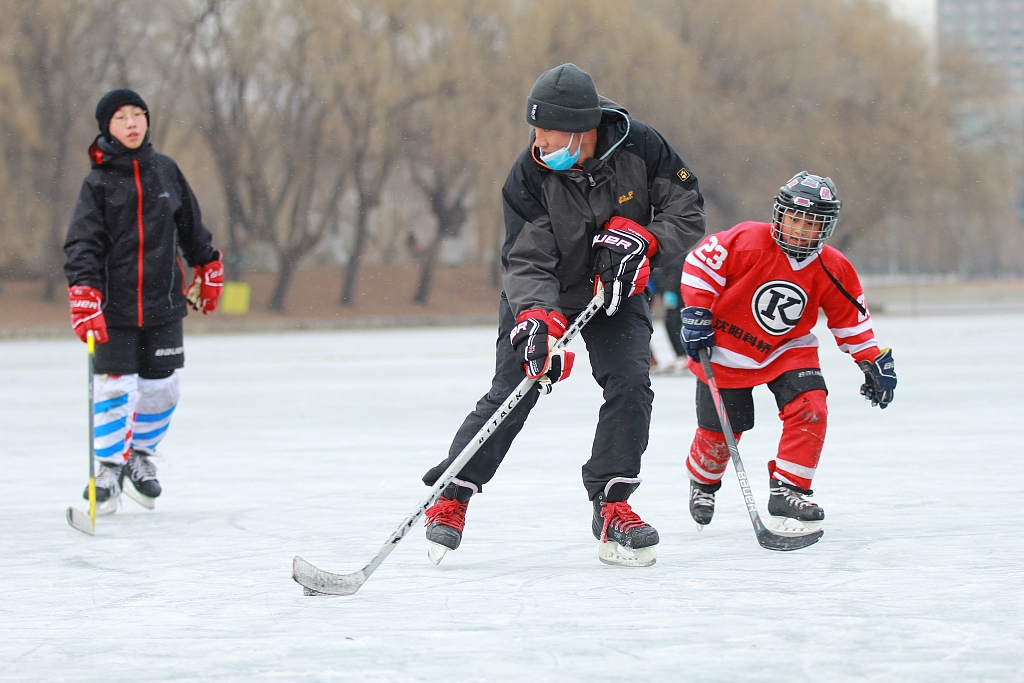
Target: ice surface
[[313, 444]]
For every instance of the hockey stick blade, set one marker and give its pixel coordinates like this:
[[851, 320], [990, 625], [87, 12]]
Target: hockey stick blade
[[316, 581], [773, 541], [79, 521]]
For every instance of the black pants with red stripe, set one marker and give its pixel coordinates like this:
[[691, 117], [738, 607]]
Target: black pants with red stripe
[[620, 358]]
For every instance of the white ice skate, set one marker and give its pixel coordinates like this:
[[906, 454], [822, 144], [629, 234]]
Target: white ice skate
[[611, 552], [436, 551]]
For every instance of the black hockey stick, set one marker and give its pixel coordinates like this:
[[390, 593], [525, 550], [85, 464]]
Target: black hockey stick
[[766, 537], [316, 581]]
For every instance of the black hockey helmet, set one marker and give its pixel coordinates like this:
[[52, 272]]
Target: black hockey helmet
[[813, 200]]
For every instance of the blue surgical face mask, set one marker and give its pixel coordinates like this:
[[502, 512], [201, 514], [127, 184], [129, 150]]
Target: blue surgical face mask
[[562, 159]]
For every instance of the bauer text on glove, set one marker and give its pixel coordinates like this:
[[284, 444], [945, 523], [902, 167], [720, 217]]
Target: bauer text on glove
[[622, 252], [207, 285], [697, 332], [879, 379], [87, 312], [533, 338]]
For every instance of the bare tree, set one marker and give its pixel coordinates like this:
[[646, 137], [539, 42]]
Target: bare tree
[[59, 54], [260, 75], [452, 133], [372, 92]]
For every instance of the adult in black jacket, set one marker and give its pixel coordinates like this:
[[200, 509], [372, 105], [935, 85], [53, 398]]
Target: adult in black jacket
[[127, 286], [596, 194]]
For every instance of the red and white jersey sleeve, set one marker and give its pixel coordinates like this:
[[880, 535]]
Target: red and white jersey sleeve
[[765, 303]]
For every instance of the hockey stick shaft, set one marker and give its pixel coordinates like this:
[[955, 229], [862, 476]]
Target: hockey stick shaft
[[334, 584], [734, 452], [765, 536], [90, 341]]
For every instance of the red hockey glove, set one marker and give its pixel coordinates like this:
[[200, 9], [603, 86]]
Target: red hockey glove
[[87, 312], [207, 286], [621, 259], [533, 339]]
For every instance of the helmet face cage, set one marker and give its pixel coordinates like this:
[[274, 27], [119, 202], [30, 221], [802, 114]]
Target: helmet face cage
[[810, 202], [817, 228]]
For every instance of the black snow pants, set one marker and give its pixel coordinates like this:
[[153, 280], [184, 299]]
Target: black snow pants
[[619, 350]]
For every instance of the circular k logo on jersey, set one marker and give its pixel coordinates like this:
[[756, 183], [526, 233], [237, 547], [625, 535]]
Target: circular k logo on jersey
[[778, 306]]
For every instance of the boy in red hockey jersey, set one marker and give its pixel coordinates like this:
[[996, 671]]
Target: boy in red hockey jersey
[[752, 295]]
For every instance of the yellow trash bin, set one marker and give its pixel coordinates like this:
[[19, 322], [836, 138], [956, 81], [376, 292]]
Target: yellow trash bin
[[235, 299]]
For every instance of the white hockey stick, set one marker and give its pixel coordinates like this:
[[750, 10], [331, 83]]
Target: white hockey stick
[[316, 581]]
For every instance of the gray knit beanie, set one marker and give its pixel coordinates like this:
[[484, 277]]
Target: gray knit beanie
[[564, 99]]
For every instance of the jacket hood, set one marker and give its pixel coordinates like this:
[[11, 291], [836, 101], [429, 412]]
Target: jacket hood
[[103, 152]]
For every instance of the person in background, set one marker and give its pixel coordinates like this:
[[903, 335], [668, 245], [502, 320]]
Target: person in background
[[127, 286], [665, 281]]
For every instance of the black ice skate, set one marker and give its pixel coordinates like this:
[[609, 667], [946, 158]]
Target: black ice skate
[[625, 539], [446, 519], [702, 502], [790, 510], [141, 473], [108, 488]]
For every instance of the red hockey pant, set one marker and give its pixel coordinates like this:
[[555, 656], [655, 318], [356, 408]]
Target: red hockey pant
[[804, 420]]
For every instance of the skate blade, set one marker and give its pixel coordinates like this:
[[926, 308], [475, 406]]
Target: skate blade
[[144, 501], [787, 526], [108, 507], [612, 553], [436, 551]]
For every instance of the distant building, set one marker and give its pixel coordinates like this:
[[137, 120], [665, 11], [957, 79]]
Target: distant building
[[993, 29]]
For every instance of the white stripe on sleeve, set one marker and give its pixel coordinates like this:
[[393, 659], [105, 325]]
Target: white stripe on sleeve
[[843, 332], [693, 261], [697, 283], [856, 348]]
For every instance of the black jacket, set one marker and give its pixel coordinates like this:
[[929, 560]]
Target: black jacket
[[133, 214], [551, 216]]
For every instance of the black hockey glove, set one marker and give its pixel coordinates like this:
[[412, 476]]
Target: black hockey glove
[[533, 339], [697, 332], [879, 379], [621, 260]]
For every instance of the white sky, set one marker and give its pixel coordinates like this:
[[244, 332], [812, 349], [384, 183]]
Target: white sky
[[919, 12]]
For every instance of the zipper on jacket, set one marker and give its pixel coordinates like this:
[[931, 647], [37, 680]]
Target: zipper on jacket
[[591, 179], [142, 236]]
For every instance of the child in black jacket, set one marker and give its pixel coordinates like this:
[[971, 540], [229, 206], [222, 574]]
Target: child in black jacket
[[127, 286]]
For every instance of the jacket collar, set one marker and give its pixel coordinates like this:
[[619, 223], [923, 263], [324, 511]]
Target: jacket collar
[[107, 153]]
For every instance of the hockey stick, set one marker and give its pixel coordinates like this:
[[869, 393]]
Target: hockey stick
[[75, 518], [767, 538], [319, 582]]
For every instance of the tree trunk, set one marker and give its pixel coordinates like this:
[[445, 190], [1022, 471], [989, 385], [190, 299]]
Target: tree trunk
[[348, 289], [284, 280], [422, 294]]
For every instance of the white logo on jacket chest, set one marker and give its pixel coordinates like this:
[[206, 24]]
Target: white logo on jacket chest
[[778, 306]]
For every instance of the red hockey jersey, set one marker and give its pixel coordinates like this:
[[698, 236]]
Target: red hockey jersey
[[764, 304]]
